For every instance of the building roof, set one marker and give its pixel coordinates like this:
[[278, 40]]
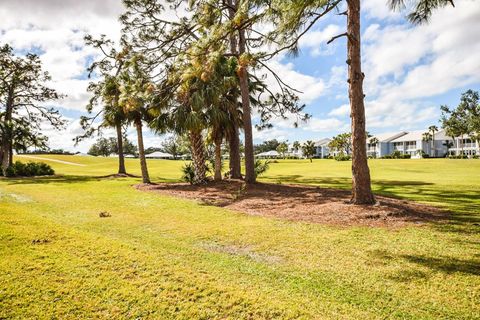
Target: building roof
[[322, 142], [159, 154], [271, 153], [411, 136], [388, 136]]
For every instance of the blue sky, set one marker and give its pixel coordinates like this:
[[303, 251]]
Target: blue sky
[[410, 70]]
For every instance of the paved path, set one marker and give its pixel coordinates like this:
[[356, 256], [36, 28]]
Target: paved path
[[53, 160]]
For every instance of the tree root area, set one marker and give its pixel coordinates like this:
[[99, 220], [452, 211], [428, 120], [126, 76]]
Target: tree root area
[[303, 203]]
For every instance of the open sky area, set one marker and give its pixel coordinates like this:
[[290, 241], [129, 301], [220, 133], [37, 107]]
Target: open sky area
[[410, 70]]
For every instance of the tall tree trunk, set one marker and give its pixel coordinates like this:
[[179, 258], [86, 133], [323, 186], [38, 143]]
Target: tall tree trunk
[[234, 140], [7, 152], [198, 157], [361, 188], [121, 157], [234, 154], [218, 158], [433, 144], [10, 155], [141, 152], [247, 117]]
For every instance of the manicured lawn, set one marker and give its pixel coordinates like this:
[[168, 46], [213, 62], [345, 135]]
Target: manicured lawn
[[162, 257]]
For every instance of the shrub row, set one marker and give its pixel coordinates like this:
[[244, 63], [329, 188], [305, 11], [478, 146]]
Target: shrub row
[[30, 169], [462, 156], [343, 157]]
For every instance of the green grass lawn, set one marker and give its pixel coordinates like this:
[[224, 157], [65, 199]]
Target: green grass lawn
[[161, 257]]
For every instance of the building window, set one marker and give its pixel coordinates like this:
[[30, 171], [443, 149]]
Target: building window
[[398, 145], [411, 145]]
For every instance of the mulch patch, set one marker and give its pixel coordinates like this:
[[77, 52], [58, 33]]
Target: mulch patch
[[302, 203]]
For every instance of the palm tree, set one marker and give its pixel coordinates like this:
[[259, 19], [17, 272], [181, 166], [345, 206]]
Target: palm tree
[[448, 144], [296, 146], [308, 149], [427, 137], [432, 130], [136, 90], [114, 116], [374, 141]]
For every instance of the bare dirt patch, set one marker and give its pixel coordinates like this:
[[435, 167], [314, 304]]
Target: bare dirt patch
[[302, 203]]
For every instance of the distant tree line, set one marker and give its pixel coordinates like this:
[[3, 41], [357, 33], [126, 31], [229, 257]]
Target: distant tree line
[[109, 146]]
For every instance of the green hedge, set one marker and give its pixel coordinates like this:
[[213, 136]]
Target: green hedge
[[30, 169]]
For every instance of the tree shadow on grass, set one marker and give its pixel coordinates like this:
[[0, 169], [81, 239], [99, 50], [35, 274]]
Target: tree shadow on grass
[[447, 265], [464, 204], [47, 179], [72, 179]]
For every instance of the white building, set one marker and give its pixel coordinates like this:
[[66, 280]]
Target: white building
[[272, 154], [465, 145], [322, 149], [159, 155], [413, 144], [292, 152], [384, 146]]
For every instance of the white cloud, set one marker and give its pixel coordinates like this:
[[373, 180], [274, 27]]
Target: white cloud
[[76, 91], [404, 64], [325, 125], [311, 87], [342, 111], [379, 9], [316, 41]]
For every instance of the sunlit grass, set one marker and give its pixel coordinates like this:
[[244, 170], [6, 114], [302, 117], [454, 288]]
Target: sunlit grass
[[162, 257]]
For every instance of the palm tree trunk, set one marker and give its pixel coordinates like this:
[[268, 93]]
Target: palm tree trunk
[[247, 118], [234, 154], [218, 159], [121, 158], [433, 144], [361, 188], [141, 152], [198, 157]]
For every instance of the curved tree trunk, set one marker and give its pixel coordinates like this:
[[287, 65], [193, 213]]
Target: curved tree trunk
[[198, 157], [247, 117], [141, 152], [234, 155], [218, 159], [361, 188], [121, 157]]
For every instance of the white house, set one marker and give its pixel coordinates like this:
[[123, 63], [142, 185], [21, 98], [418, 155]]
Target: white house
[[413, 143], [383, 146], [466, 146], [295, 153], [321, 149], [321, 146], [159, 155], [268, 154]]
